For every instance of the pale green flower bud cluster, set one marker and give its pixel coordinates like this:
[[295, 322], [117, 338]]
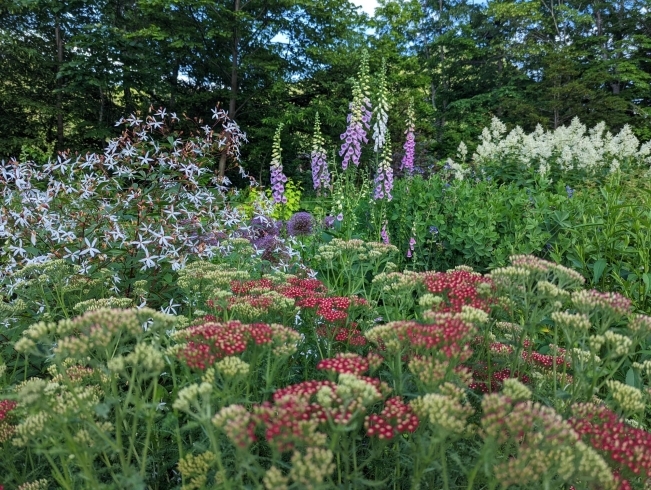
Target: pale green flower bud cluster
[[234, 421], [595, 342], [515, 390], [189, 396], [311, 468], [41, 484], [508, 327], [95, 330], [3, 370], [145, 358], [545, 445], [275, 480], [584, 356], [350, 387], [644, 367], [629, 398], [551, 290], [474, 315], [233, 367], [326, 396], [98, 304], [398, 282], [83, 438], [432, 372], [619, 344], [575, 321], [33, 335], [30, 428], [354, 249], [508, 275], [285, 340], [10, 310], [195, 470], [640, 324], [429, 300], [386, 335], [446, 411]]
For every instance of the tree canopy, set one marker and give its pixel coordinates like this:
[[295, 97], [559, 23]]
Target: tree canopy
[[73, 67]]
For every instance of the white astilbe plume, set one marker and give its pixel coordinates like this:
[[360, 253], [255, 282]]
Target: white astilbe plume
[[567, 148]]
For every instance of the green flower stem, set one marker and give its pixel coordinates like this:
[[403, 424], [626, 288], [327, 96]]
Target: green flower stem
[[444, 466], [143, 465]]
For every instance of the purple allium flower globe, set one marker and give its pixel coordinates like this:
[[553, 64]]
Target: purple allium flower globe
[[300, 224]]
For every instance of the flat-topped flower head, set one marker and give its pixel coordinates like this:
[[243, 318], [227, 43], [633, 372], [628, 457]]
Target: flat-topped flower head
[[396, 418], [345, 363]]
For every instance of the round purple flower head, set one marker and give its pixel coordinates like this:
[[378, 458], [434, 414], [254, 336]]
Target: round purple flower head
[[300, 224]]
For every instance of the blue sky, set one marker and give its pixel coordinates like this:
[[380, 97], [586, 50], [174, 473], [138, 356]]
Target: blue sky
[[367, 5]]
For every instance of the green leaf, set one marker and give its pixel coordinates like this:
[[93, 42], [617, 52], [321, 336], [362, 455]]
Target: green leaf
[[598, 269], [632, 379]]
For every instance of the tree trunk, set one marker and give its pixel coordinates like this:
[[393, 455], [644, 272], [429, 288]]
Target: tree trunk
[[59, 98], [234, 66]]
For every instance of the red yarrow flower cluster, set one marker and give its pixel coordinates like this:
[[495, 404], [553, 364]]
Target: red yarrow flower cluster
[[396, 418], [483, 384], [210, 341], [6, 406], [544, 360], [304, 390], [288, 420], [345, 363], [333, 309], [245, 287], [449, 336], [297, 288], [628, 449], [350, 335], [459, 289]]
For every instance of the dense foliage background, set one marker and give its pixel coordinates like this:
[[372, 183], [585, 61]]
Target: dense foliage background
[[71, 68]]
